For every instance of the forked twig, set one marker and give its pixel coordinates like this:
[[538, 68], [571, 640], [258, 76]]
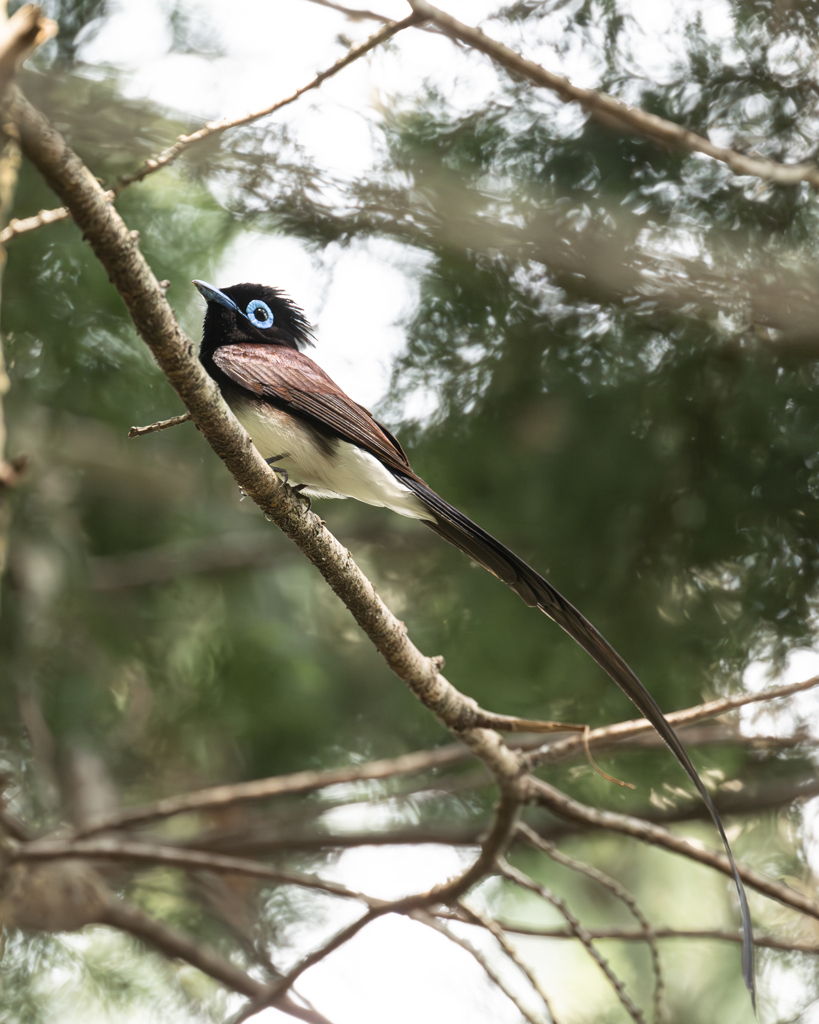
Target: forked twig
[[424, 917], [492, 926], [152, 428], [507, 871], [616, 889]]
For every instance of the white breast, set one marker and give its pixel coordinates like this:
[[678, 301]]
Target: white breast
[[344, 472]]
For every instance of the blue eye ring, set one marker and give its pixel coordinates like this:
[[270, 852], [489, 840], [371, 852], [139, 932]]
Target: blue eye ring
[[256, 306]]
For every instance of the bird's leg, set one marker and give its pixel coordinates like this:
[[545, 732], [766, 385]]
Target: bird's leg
[[285, 476], [299, 489]]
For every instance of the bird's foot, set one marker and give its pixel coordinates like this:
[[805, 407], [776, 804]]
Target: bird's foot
[[278, 470], [299, 489]]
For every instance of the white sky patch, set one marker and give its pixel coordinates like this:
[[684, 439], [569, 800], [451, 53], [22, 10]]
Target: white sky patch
[[374, 977], [782, 717]]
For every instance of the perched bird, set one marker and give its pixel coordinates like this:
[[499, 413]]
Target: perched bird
[[330, 447]]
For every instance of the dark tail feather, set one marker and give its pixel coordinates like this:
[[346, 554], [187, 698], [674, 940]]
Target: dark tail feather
[[536, 592]]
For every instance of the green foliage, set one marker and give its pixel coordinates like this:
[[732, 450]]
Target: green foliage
[[656, 457]]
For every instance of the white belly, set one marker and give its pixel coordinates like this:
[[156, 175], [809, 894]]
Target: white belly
[[347, 472]]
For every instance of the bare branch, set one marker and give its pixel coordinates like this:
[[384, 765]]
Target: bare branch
[[353, 13], [647, 832], [614, 112], [178, 946], [20, 227], [167, 156], [475, 916], [432, 922], [152, 428], [616, 889], [274, 992], [570, 746], [170, 856], [577, 929], [212, 128], [281, 785], [638, 935]]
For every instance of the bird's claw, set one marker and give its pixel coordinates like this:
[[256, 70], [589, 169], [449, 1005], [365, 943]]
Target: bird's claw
[[278, 470], [299, 489]]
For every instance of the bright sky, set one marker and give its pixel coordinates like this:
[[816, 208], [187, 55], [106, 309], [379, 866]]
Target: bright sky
[[269, 48]]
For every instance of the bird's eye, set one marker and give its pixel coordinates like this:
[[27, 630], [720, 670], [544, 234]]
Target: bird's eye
[[259, 314]]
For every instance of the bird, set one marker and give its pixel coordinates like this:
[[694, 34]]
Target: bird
[[328, 446]]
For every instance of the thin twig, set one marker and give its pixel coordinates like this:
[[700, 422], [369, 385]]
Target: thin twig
[[518, 877], [280, 785], [353, 13], [274, 992], [176, 945], [639, 935], [424, 917], [20, 227], [494, 928], [655, 835], [170, 856], [167, 156], [152, 428], [616, 889], [614, 112], [625, 730]]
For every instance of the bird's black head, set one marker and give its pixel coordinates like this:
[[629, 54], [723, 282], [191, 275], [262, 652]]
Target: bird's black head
[[251, 313]]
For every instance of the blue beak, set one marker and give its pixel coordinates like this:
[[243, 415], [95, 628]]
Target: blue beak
[[211, 294]]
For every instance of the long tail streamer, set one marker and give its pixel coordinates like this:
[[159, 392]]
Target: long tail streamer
[[468, 537]]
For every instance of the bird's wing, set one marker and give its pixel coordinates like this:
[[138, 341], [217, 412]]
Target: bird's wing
[[292, 381]]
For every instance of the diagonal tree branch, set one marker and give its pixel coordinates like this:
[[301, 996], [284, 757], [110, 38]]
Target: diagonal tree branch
[[426, 760], [211, 129], [175, 945], [614, 112], [597, 738], [647, 832]]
